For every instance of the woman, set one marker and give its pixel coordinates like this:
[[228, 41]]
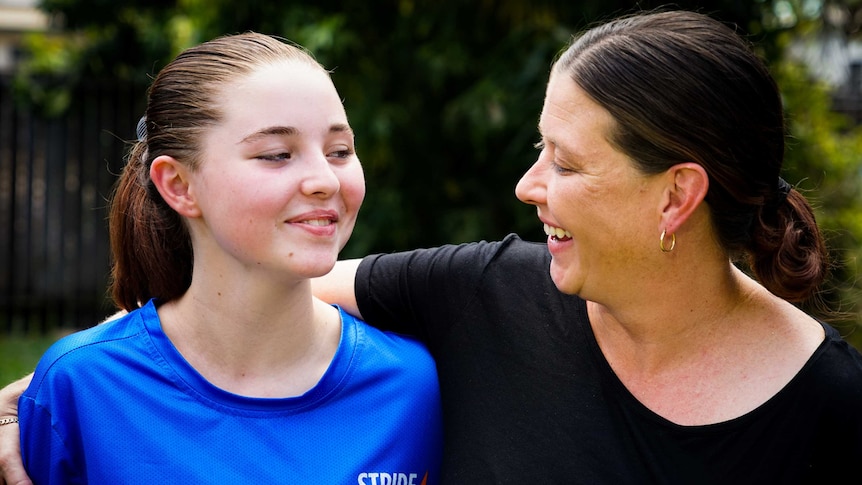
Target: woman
[[244, 186], [662, 140]]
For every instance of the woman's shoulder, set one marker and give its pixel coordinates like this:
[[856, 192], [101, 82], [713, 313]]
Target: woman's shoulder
[[834, 371], [839, 357], [511, 247], [508, 254], [384, 348]]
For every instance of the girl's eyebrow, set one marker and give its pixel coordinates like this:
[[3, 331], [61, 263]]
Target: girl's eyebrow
[[270, 131], [290, 131], [341, 128]]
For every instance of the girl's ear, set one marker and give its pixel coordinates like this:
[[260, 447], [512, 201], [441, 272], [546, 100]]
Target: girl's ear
[[171, 179], [688, 186]]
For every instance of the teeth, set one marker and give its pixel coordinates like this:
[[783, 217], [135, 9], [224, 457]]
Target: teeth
[[557, 232], [318, 222]]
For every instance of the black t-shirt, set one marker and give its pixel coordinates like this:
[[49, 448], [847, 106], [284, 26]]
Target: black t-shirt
[[529, 398]]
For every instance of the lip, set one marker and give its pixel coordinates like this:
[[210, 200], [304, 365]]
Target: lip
[[331, 215], [555, 246], [301, 221], [548, 222]]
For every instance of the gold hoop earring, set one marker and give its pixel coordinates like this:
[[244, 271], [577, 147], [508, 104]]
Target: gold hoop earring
[[661, 242]]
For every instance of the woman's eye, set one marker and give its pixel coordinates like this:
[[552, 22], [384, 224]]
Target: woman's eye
[[540, 145], [275, 157], [560, 169]]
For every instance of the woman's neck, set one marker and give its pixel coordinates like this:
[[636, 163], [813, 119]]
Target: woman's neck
[[704, 354]]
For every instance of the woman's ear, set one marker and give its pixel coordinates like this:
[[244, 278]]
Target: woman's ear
[[687, 186], [171, 179]]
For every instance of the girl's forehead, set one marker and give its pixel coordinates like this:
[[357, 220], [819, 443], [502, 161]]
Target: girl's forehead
[[279, 82], [288, 74], [283, 94]]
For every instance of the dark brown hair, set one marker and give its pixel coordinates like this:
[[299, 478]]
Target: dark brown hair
[[150, 244], [683, 87]]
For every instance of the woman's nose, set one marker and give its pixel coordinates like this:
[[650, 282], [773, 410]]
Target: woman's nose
[[530, 189]]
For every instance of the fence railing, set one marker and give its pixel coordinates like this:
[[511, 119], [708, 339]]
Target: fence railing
[[56, 175]]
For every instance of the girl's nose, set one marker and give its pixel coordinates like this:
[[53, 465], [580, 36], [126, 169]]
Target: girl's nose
[[320, 178]]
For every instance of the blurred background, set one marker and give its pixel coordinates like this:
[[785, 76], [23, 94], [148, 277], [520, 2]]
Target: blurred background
[[444, 97]]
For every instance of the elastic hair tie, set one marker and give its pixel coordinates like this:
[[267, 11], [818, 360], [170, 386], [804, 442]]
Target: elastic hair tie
[[783, 190], [142, 128], [783, 187]]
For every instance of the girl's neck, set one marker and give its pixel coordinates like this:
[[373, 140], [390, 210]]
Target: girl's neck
[[263, 344]]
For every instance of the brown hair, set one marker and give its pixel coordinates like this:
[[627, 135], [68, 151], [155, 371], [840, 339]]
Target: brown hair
[[683, 87], [150, 244]]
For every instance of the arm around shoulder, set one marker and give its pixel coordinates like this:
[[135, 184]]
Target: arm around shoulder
[[11, 467], [9, 396], [337, 286]]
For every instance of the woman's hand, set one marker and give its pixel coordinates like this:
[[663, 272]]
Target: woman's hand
[[11, 467]]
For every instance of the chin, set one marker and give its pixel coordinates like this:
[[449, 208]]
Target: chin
[[317, 270], [312, 267], [559, 277]]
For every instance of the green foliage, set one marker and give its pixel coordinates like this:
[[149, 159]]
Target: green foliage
[[42, 82], [824, 161], [444, 98], [20, 353]]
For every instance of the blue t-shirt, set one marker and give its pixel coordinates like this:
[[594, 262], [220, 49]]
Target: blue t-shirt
[[117, 403]]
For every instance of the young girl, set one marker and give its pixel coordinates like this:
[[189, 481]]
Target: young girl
[[244, 185]]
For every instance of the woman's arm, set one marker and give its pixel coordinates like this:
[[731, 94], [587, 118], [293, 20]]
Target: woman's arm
[[11, 468], [336, 287]]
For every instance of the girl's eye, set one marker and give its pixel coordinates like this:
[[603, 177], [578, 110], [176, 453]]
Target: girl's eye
[[345, 153], [539, 145], [275, 157]]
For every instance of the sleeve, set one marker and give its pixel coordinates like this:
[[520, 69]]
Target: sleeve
[[46, 411], [43, 452], [423, 292]]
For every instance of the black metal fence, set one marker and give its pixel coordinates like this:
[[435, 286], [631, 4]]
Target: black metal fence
[[56, 175]]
